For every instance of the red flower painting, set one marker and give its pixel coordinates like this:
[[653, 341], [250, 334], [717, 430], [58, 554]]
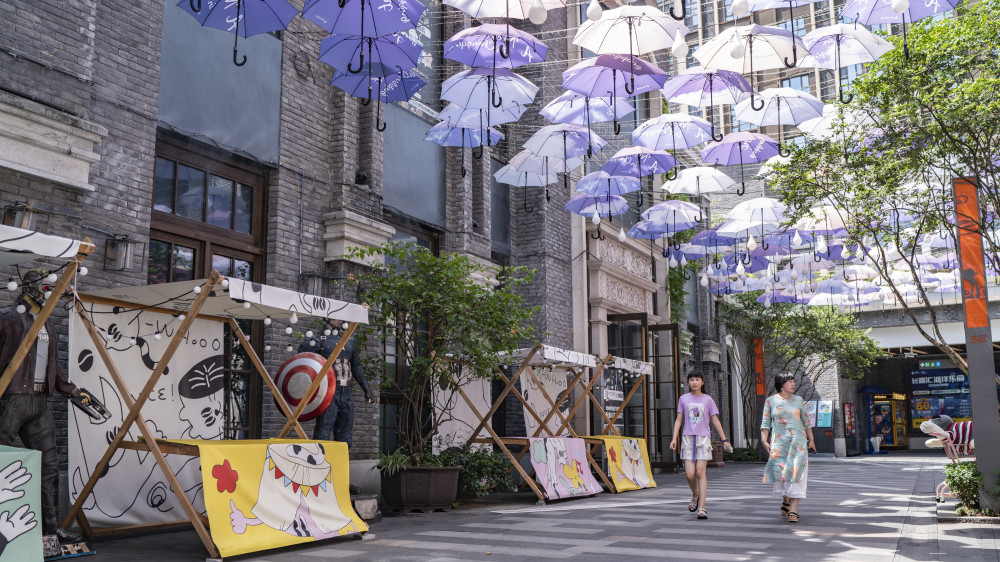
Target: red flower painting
[[226, 477]]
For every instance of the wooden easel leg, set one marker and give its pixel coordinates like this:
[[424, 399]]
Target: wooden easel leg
[[507, 389]]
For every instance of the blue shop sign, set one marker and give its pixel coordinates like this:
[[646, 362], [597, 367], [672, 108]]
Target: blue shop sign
[[939, 392]]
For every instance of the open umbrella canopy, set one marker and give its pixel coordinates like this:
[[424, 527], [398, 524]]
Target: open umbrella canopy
[[390, 53], [711, 238], [639, 161], [840, 45], [511, 9], [610, 76], [673, 211], [578, 109], [823, 219], [740, 148], [786, 106], [563, 141], [700, 87], [446, 134], [748, 48], [477, 88], [698, 180], [834, 117], [742, 229], [370, 18], [651, 230], [589, 205], [672, 131], [480, 46], [245, 18], [630, 30], [875, 12], [526, 161], [603, 183], [399, 86], [792, 238], [759, 209], [482, 118], [519, 178]]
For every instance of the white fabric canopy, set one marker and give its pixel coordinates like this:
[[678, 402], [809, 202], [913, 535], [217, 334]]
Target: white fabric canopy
[[227, 302], [633, 366], [18, 245], [554, 356]]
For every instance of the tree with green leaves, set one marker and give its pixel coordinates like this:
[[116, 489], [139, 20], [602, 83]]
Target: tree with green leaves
[[886, 167], [433, 313], [806, 341]]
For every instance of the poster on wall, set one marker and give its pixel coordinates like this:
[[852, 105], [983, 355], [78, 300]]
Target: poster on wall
[[20, 504], [185, 404], [849, 423], [269, 493], [935, 392], [457, 419], [555, 383], [824, 414], [612, 396], [561, 467], [811, 412]]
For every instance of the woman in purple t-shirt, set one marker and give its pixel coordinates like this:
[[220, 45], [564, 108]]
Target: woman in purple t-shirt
[[694, 410]]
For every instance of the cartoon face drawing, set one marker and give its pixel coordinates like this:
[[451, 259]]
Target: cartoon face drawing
[[633, 467], [696, 413], [201, 398], [296, 494]]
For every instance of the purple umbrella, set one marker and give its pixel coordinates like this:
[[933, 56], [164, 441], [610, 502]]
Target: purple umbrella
[[446, 134], [613, 76], [696, 85], [672, 130], [390, 87], [875, 12], [638, 161], [478, 46], [391, 52], [651, 230], [603, 183], [595, 206], [258, 16], [384, 17], [742, 148]]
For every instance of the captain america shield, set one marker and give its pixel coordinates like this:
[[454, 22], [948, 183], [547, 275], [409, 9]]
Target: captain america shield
[[293, 380]]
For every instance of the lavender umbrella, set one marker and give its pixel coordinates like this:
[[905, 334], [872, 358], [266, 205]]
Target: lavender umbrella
[[780, 104], [518, 178], [446, 134], [742, 148], [672, 130], [875, 12], [368, 18], [603, 183], [389, 53], [596, 205], [479, 88], [389, 87], [613, 76], [564, 141], [696, 85], [842, 45], [651, 230], [638, 161], [578, 109], [257, 16], [479, 46], [482, 118]]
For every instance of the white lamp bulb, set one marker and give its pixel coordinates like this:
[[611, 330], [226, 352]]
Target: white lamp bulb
[[738, 284], [309, 333], [288, 349], [197, 290], [131, 341], [246, 304], [740, 8], [844, 254], [345, 325], [704, 281], [673, 262], [797, 240], [326, 332], [21, 309], [821, 246], [596, 219], [267, 321], [51, 278], [84, 271], [267, 348], [12, 286], [740, 270], [288, 330], [537, 13], [751, 244], [180, 317], [900, 6], [794, 275], [294, 318], [225, 283], [157, 336], [594, 10], [767, 303], [680, 47], [738, 48], [335, 332], [684, 261], [621, 235]]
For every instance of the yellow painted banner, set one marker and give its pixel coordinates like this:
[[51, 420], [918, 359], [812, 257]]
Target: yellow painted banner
[[628, 462], [269, 493]]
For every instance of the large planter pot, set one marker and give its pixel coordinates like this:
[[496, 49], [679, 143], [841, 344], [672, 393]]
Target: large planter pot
[[423, 488], [717, 455]]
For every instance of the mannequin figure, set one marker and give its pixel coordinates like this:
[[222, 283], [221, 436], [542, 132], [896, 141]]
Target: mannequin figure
[[24, 409]]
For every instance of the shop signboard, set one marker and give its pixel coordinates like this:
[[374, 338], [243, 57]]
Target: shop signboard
[[849, 427], [936, 392], [824, 414]]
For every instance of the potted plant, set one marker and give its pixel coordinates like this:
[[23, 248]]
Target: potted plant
[[436, 312]]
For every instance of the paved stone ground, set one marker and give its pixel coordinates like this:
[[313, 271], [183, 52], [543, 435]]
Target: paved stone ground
[[862, 508]]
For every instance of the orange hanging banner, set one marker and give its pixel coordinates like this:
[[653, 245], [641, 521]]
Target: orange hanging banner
[[758, 365], [970, 245]]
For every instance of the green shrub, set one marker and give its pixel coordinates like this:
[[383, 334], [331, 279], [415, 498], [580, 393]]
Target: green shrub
[[742, 454], [483, 470], [965, 481]]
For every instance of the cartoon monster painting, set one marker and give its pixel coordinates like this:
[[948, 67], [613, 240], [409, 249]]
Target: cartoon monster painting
[[296, 495], [561, 467], [633, 466]]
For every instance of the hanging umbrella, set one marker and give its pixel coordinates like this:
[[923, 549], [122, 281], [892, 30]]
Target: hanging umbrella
[[479, 46], [741, 148], [596, 205], [446, 134], [792, 238], [243, 18], [749, 48], [390, 52], [603, 183], [519, 178], [875, 12], [697, 86], [759, 209], [578, 109], [698, 180], [744, 229], [563, 141], [841, 45], [825, 219], [650, 230], [834, 117], [741, 7], [368, 18], [786, 105], [388, 88], [672, 131], [673, 211], [535, 10], [478, 88], [631, 30], [638, 161], [613, 76], [482, 118], [526, 161]]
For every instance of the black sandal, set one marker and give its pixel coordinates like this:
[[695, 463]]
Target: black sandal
[[785, 509], [693, 505], [793, 517], [702, 513]]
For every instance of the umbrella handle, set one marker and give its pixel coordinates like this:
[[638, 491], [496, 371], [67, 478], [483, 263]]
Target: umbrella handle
[[495, 98], [526, 208], [753, 101], [341, 3], [361, 63], [480, 147], [599, 235], [745, 260], [618, 127], [742, 189], [666, 252], [638, 203], [630, 86], [236, 38], [716, 136], [505, 47], [379, 124], [672, 173], [548, 198], [195, 7], [685, 274], [683, 10], [795, 51], [676, 245], [846, 100]]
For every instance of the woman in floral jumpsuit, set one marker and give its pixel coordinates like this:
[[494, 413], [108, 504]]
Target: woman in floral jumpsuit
[[787, 424]]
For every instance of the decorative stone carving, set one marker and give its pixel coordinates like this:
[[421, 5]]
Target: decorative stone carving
[[346, 229], [617, 292], [47, 143], [624, 258]]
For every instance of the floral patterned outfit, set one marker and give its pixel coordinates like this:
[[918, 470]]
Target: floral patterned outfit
[[789, 460]]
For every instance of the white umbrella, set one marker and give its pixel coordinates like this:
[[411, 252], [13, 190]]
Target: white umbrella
[[526, 161], [747, 48], [841, 45], [672, 130], [741, 228], [834, 116], [786, 105], [534, 10], [575, 108], [563, 141], [759, 209], [767, 168], [476, 88], [518, 178], [698, 180], [459, 116], [631, 30]]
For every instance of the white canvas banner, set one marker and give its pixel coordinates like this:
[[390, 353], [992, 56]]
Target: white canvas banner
[[554, 382], [185, 404], [457, 418]]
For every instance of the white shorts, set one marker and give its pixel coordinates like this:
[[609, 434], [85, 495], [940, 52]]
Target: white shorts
[[696, 448]]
